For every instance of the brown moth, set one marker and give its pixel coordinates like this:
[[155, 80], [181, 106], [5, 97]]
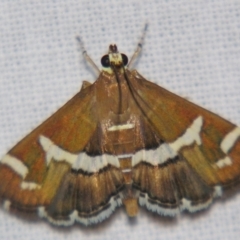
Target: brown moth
[[121, 141]]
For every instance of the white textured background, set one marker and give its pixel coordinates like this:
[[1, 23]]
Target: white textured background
[[192, 48]]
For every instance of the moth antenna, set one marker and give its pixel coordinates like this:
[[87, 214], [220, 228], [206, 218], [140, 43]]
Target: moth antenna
[[86, 56], [139, 46]]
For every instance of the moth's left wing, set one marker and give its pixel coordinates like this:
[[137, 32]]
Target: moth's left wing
[[199, 154], [50, 172]]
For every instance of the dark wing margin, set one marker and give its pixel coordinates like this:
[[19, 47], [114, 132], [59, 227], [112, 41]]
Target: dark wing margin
[[85, 198]]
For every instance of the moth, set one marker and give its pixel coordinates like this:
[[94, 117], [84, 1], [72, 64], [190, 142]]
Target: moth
[[122, 140]]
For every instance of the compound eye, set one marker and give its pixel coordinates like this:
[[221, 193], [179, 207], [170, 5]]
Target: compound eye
[[125, 59], [105, 61]]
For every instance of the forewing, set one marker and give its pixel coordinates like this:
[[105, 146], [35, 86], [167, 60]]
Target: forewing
[[50, 172], [199, 154]]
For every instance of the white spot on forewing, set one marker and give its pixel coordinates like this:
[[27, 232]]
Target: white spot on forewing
[[18, 166], [77, 161], [227, 161], [230, 139], [7, 205], [168, 151], [105, 213], [121, 127], [15, 164], [53, 151], [30, 185], [191, 135], [122, 156]]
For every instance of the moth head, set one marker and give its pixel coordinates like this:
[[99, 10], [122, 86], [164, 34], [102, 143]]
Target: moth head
[[114, 61]]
